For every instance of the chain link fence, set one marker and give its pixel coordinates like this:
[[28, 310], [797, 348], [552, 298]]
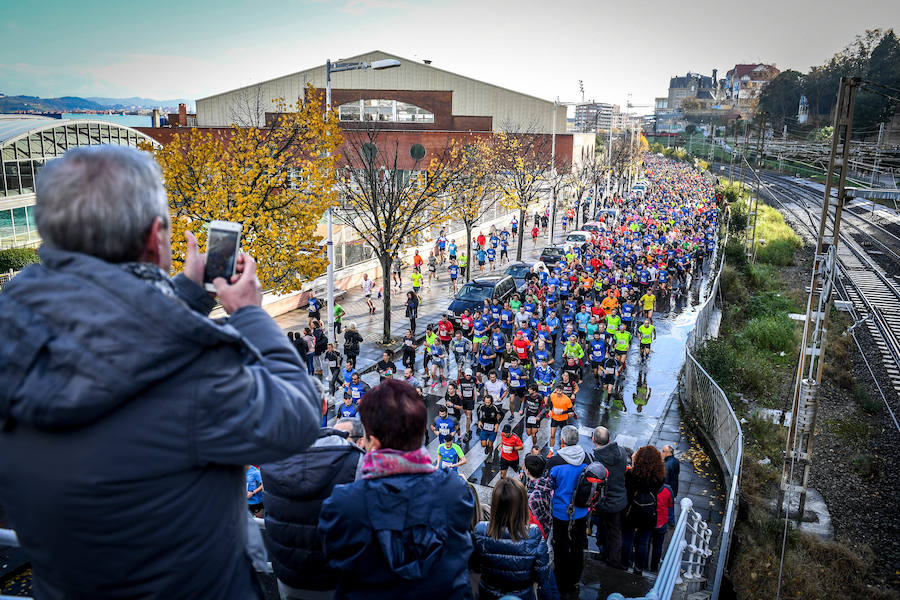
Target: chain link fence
[[710, 412]]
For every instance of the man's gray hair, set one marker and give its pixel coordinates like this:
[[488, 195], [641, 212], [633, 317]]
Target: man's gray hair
[[357, 431], [600, 436], [100, 201], [569, 435]]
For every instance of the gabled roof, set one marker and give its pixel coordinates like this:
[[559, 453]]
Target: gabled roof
[[366, 56], [739, 71]]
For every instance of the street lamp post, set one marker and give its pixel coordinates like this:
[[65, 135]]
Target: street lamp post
[[330, 68]]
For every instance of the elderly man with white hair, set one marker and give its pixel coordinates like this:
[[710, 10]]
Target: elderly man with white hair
[[127, 414]]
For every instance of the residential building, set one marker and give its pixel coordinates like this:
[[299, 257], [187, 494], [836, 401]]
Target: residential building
[[744, 82], [595, 116]]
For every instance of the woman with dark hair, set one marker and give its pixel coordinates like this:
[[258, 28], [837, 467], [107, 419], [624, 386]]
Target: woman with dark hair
[[412, 311], [510, 553], [402, 530], [642, 484]]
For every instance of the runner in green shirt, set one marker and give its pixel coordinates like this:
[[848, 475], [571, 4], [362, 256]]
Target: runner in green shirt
[[338, 315], [647, 331], [623, 340], [416, 278]]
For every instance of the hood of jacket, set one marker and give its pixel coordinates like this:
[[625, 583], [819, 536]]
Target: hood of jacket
[[610, 455], [80, 336], [574, 455]]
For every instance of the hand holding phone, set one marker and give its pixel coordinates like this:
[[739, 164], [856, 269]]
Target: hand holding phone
[[242, 289], [223, 243]]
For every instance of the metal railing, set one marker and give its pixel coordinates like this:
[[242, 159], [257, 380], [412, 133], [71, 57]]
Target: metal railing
[[693, 553]]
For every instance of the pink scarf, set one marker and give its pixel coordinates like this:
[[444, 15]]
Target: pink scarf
[[387, 462]]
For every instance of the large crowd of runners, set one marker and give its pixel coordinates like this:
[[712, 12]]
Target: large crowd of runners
[[572, 324]]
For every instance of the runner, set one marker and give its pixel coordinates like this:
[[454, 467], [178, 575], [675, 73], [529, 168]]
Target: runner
[[468, 388], [489, 418], [622, 342], [416, 278], [561, 408], [609, 368], [396, 270], [510, 444], [348, 408], [367, 292], [647, 331], [454, 272], [314, 305], [598, 353], [438, 359], [461, 348], [648, 301], [450, 455], [534, 409], [444, 426], [432, 268], [516, 380]]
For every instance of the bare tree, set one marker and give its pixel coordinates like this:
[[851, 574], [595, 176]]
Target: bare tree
[[248, 109], [386, 204], [474, 193], [521, 163]]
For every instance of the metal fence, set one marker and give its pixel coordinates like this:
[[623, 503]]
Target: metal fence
[[709, 409]]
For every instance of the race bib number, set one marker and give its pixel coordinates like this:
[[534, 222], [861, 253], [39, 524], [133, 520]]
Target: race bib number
[[531, 420], [332, 364], [445, 429], [506, 449], [355, 394], [489, 426], [558, 411], [542, 388], [609, 370]]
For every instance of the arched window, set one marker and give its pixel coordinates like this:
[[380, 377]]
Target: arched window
[[382, 110]]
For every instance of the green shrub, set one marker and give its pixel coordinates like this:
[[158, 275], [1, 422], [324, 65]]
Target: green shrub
[[761, 277], [865, 400], [17, 259], [777, 252], [737, 224], [733, 290], [769, 303], [720, 360], [774, 333], [734, 254]]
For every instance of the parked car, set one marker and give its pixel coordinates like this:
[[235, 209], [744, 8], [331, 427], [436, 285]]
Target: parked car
[[475, 292], [520, 271], [577, 238], [552, 255]]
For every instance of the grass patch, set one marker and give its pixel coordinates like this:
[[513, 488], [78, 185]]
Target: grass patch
[[774, 332], [813, 568], [852, 429], [761, 277], [777, 252], [732, 286], [868, 404]]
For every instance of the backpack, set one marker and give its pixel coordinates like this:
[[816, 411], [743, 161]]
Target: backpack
[[590, 488], [321, 342], [641, 511]]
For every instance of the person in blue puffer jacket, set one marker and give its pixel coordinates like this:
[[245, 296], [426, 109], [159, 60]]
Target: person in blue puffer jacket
[[402, 531], [569, 527], [510, 553]]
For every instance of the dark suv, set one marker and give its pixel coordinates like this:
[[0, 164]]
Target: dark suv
[[552, 255], [475, 292]]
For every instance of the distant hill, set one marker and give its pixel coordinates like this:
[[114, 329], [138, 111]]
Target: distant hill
[[34, 103], [75, 103], [140, 102]]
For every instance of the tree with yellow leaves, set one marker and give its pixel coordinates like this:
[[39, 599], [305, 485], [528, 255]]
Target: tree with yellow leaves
[[392, 194], [276, 181], [474, 193], [522, 163]]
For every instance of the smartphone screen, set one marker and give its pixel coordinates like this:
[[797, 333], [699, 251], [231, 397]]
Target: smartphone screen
[[221, 254]]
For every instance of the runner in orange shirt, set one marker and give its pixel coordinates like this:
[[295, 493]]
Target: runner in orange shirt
[[562, 407]]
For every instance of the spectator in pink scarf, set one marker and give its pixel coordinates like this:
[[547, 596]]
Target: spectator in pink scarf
[[402, 530]]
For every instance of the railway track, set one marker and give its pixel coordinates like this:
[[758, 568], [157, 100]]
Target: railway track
[[868, 277]]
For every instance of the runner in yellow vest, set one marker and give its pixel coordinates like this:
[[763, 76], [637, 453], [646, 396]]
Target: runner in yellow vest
[[613, 321], [647, 331], [623, 340]]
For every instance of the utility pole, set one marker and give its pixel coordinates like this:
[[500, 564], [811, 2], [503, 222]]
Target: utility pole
[[824, 274], [753, 204], [733, 152], [744, 152], [877, 155], [608, 165], [781, 150]]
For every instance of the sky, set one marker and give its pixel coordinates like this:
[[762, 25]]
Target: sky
[[121, 48]]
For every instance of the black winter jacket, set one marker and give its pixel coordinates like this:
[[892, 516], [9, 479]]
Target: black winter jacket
[[509, 567], [295, 489], [615, 459]]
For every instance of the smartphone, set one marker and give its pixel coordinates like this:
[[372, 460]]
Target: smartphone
[[222, 245]]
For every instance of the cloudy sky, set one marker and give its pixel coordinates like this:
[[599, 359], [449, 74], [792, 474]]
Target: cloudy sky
[[193, 49]]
